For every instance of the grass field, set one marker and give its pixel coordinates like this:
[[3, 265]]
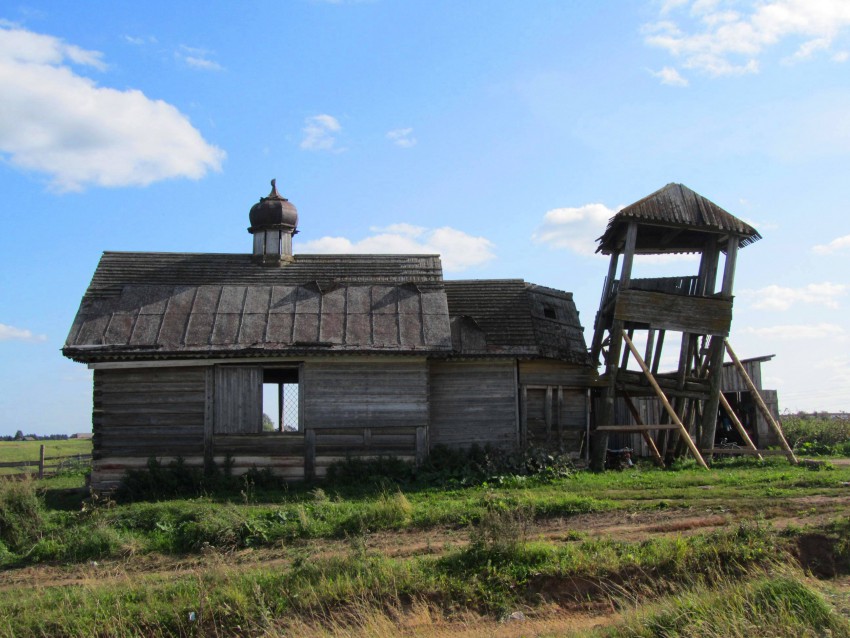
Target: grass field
[[746, 549], [28, 450], [14, 451]]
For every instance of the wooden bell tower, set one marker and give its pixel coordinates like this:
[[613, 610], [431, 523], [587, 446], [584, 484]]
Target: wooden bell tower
[[693, 312]]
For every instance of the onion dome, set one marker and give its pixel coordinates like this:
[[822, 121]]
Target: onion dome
[[273, 212]]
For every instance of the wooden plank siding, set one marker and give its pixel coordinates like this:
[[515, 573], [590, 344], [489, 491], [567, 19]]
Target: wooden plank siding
[[238, 400], [548, 372], [555, 415], [143, 413], [337, 444], [697, 315], [473, 402], [281, 453], [363, 394], [556, 402]]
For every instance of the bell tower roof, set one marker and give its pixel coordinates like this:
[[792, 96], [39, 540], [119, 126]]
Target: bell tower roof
[[273, 212]]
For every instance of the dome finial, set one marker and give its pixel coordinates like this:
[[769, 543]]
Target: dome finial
[[274, 192]]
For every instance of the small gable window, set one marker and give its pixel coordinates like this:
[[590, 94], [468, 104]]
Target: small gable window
[[549, 312]]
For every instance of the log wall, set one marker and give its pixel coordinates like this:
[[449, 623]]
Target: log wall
[[280, 452], [473, 402], [144, 413], [337, 444], [365, 394]]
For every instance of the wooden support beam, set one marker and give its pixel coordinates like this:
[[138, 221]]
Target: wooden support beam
[[761, 404], [738, 425], [714, 371], [743, 450], [658, 347], [650, 344], [708, 268], [729, 266], [559, 415], [421, 444], [523, 416], [625, 362], [638, 428], [673, 416], [209, 416], [599, 324], [310, 454], [628, 255], [684, 360]]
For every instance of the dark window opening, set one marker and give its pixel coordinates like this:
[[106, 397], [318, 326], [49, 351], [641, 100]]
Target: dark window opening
[[549, 312], [281, 411]]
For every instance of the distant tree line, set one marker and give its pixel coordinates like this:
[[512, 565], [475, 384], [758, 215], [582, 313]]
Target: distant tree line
[[20, 436]]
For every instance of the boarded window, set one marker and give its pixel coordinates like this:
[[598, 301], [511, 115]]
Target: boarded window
[[238, 399]]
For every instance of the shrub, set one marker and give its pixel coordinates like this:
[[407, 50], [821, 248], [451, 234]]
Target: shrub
[[502, 531], [355, 472], [801, 429], [158, 481]]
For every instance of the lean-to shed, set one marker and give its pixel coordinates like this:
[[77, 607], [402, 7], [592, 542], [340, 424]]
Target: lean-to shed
[[290, 362]]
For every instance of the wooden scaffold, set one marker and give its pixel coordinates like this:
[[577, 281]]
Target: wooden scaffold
[[673, 220]]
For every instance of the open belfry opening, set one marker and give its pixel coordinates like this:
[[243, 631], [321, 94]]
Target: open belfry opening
[[690, 315]]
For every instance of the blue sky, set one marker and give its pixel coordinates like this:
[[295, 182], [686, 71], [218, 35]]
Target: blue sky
[[499, 134]]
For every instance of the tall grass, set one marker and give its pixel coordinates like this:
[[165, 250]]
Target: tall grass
[[490, 578], [780, 605], [815, 434], [21, 515]]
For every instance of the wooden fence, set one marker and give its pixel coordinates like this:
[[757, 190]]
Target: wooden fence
[[46, 465]]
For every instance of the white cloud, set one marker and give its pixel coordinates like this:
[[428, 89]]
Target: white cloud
[[841, 56], [781, 298], [836, 245], [197, 58], [320, 133], [11, 333], [669, 75], [60, 123], [402, 137], [140, 40], [728, 37], [794, 332], [575, 229], [458, 251]]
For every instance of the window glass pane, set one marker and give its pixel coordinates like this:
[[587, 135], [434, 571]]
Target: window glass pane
[[290, 407]]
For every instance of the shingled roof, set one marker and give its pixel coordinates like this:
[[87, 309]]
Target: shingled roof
[[515, 317], [674, 219], [178, 305]]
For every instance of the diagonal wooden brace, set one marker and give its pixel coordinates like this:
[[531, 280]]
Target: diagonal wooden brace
[[683, 431]]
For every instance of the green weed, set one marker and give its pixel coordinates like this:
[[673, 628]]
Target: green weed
[[22, 516]]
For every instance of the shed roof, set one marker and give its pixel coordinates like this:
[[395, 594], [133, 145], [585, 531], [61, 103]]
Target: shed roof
[[674, 219]]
